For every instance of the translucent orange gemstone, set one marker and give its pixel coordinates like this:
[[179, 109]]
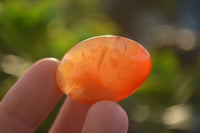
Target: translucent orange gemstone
[[103, 68]]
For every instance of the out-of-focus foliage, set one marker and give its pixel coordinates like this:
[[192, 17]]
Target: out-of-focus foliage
[[168, 102], [35, 29]]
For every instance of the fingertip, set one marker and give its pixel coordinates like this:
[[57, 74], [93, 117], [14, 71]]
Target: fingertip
[[34, 95], [53, 62], [106, 117], [70, 118], [51, 59]]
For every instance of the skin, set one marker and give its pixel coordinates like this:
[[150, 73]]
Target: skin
[[36, 93]]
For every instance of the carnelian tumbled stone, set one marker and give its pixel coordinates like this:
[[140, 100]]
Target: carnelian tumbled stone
[[103, 68]]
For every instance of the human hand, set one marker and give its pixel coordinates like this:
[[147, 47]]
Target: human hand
[[34, 95]]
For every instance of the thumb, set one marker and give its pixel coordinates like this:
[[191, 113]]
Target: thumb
[[106, 117]]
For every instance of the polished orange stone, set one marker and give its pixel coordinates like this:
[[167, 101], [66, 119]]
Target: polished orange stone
[[103, 68]]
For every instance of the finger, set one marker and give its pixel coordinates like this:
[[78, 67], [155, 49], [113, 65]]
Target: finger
[[31, 99], [106, 117], [70, 118]]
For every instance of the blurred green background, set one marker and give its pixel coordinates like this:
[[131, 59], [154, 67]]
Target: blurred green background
[[169, 100]]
